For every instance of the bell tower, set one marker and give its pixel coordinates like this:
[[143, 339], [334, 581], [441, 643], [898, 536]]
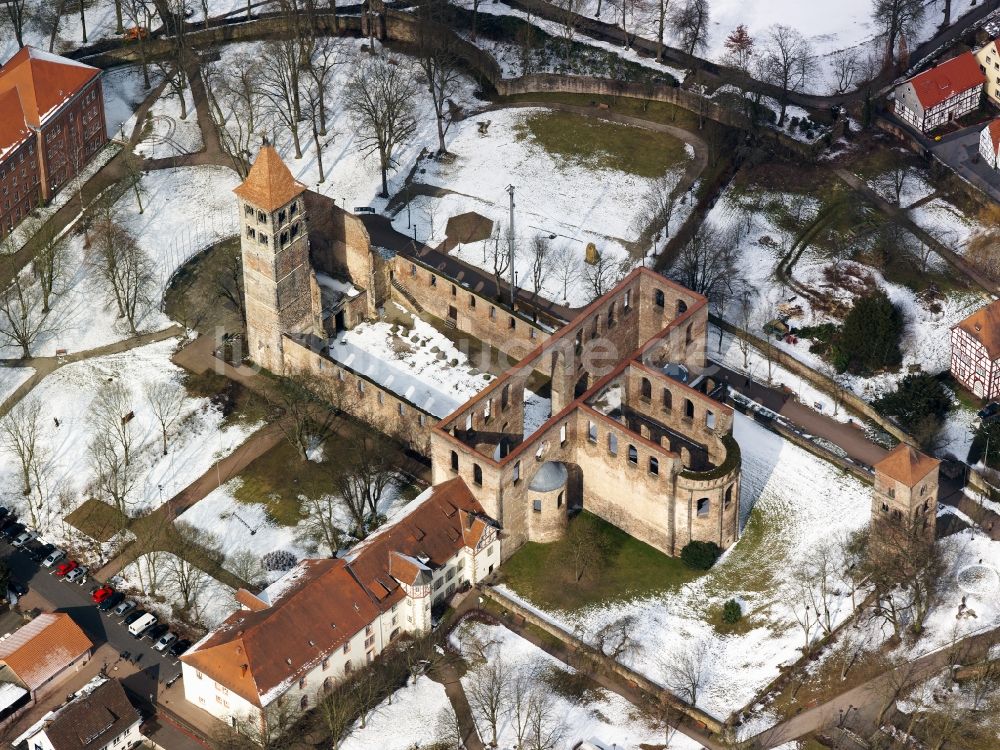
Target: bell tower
[[279, 284], [905, 493]]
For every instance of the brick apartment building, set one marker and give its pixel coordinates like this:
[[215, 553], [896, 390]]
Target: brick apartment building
[[52, 123]]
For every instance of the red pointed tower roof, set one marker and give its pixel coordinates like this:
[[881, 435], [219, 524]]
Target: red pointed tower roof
[[270, 184]]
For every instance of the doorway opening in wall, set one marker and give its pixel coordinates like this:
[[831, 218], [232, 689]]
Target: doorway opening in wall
[[341, 322], [581, 385], [452, 313]]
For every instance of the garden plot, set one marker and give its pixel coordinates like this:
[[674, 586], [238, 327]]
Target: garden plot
[[165, 581], [597, 715], [243, 528], [418, 363], [63, 402], [352, 179], [186, 209], [791, 503], [170, 135], [409, 718], [572, 198]]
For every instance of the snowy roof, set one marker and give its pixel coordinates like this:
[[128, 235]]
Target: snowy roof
[[92, 719], [10, 693], [270, 184], [44, 647], [948, 79], [319, 605], [44, 82]]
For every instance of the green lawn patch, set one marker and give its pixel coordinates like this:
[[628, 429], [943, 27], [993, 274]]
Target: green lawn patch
[[631, 569], [278, 479], [97, 520], [601, 144]]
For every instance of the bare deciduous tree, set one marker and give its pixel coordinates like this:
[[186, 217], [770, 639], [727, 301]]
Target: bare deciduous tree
[[166, 401], [236, 105], [684, 672], [20, 436], [690, 22], [541, 263], [615, 638], [323, 521], [380, 97], [23, 316], [125, 269], [658, 206], [897, 18], [440, 64], [601, 276], [585, 551], [229, 280], [708, 263], [279, 82], [788, 63], [488, 694], [365, 468], [17, 13], [565, 267], [310, 409], [137, 14]]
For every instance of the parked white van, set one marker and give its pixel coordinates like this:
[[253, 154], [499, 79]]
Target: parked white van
[[140, 625]]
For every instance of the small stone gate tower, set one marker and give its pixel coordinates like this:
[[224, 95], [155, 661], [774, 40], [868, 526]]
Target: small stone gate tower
[[282, 296], [906, 492]]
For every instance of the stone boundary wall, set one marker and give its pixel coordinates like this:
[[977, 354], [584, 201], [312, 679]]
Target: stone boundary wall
[[642, 682], [366, 400]]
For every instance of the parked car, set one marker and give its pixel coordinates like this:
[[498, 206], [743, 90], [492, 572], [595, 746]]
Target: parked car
[[4, 511], [180, 647], [66, 567], [134, 616], [78, 574], [141, 625], [101, 594], [54, 556], [156, 632], [111, 602], [9, 520], [16, 587], [165, 642], [989, 413], [37, 551], [12, 531], [23, 538], [124, 608]]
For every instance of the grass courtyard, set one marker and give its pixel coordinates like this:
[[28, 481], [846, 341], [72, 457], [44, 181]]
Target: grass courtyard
[[631, 569]]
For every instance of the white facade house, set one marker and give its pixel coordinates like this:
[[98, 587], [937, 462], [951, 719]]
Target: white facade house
[[989, 143], [98, 717], [944, 93], [326, 617], [975, 351]]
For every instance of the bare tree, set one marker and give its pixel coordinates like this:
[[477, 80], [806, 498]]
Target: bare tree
[[187, 579], [323, 521], [585, 551], [565, 267], [23, 316], [172, 70], [236, 105], [229, 280], [21, 438], [380, 98], [662, 16], [150, 570], [498, 248], [17, 13], [115, 477], [166, 401], [279, 82], [897, 18], [522, 687], [449, 730], [708, 263], [546, 728], [846, 70], [615, 639], [658, 206], [246, 565], [133, 176], [789, 62], [365, 468], [601, 276], [568, 18], [690, 22], [685, 671], [439, 62], [488, 694], [892, 182], [137, 14], [541, 263], [125, 269]]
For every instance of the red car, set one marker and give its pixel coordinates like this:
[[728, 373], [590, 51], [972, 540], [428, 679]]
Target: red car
[[102, 593], [66, 567]]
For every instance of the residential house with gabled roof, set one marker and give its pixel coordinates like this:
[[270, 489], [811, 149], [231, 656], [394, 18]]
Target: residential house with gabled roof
[[39, 655], [975, 351], [989, 143], [988, 57], [941, 94], [99, 716], [294, 640], [52, 123]]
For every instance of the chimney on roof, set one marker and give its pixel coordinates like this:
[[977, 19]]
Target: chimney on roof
[[243, 669], [288, 662], [978, 327]]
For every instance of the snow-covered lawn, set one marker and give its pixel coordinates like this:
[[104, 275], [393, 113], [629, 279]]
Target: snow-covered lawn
[[195, 442], [11, 379], [211, 601], [794, 503], [946, 223], [419, 363], [169, 134], [603, 717], [407, 720], [242, 528], [556, 197], [123, 93]]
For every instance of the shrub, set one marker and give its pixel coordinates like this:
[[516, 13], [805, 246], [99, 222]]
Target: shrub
[[917, 397], [869, 339], [279, 559], [732, 612], [700, 555]]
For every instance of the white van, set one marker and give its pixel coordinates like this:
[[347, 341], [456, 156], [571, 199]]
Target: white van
[[137, 627]]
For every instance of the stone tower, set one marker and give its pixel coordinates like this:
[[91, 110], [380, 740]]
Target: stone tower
[[906, 491], [282, 296]]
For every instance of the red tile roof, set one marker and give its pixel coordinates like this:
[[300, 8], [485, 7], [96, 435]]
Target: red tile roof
[[13, 129], [906, 464], [270, 184], [43, 648], [994, 130], [948, 79], [44, 81], [984, 326], [321, 604]]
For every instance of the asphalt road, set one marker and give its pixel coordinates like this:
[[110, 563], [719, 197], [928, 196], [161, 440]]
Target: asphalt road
[[101, 627]]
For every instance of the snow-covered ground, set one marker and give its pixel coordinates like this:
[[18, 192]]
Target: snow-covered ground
[[408, 719], [123, 93], [419, 363], [794, 503], [211, 601], [555, 197], [602, 717], [245, 527], [170, 135], [946, 223], [11, 379], [186, 209], [195, 442]]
